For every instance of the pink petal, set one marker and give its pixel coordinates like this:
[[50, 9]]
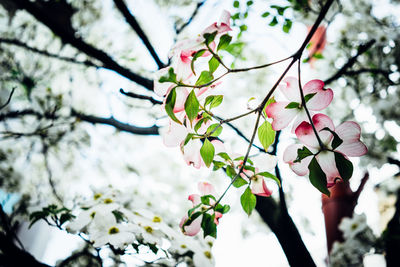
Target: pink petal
[[322, 97], [301, 116], [175, 135], [350, 132], [225, 18], [193, 228], [280, 115], [218, 215], [290, 88], [290, 155], [218, 146], [191, 154], [258, 187], [306, 135], [206, 188], [195, 198], [326, 160], [181, 95]]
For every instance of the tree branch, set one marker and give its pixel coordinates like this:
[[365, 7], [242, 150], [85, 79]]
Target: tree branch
[[145, 97], [153, 130], [18, 43], [195, 11], [39, 11], [131, 20], [361, 49]]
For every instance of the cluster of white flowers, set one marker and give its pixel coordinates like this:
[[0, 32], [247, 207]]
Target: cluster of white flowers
[[359, 240], [107, 220]]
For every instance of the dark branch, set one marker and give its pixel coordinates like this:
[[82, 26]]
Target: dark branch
[[195, 11], [18, 43], [120, 4], [145, 97], [153, 130], [39, 11], [125, 127], [361, 49], [8, 100], [384, 73]]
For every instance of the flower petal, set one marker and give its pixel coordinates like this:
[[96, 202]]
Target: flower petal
[[191, 153], [350, 132], [290, 88], [175, 135], [290, 155], [258, 187], [321, 99], [195, 198], [326, 160], [206, 188], [193, 228], [280, 115], [306, 135]]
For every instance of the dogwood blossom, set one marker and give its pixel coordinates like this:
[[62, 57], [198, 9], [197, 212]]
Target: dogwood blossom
[[347, 144], [284, 112]]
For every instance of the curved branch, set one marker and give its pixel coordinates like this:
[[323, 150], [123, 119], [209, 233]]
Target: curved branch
[[131, 20], [145, 97], [39, 11], [18, 43]]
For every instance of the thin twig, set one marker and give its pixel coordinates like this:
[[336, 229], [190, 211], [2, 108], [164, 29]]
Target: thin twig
[[8, 100], [145, 97]]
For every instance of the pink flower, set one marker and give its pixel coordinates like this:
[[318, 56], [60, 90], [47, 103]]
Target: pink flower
[[349, 132], [282, 113], [258, 185], [194, 227], [223, 26]]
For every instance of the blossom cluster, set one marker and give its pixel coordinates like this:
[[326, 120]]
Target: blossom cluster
[[106, 220], [324, 149]]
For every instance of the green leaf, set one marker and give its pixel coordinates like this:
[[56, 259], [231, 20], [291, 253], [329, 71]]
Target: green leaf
[[239, 182], [190, 212], [192, 216], [206, 199], [208, 225], [207, 152], [170, 104], [66, 217], [249, 3], [243, 27], [225, 156], [171, 77], [188, 138], [266, 134], [287, 25], [236, 4], [302, 153], [318, 56], [318, 177], [337, 141], [192, 106], [242, 158], [218, 165], [292, 105], [205, 77], [195, 57], [213, 64], [230, 171], [224, 41], [344, 166], [309, 96], [209, 37], [119, 216], [265, 14], [280, 9], [273, 22], [248, 201], [271, 176], [269, 102], [214, 100], [216, 132], [306, 60]]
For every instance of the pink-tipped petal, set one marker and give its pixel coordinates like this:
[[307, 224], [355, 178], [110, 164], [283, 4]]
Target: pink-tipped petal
[[181, 95], [290, 155], [206, 188], [306, 135], [326, 160], [218, 215], [301, 116], [321, 99], [191, 154], [322, 121], [350, 132], [193, 228], [259, 188], [290, 88], [225, 18], [280, 115], [218, 146], [195, 198], [175, 135]]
